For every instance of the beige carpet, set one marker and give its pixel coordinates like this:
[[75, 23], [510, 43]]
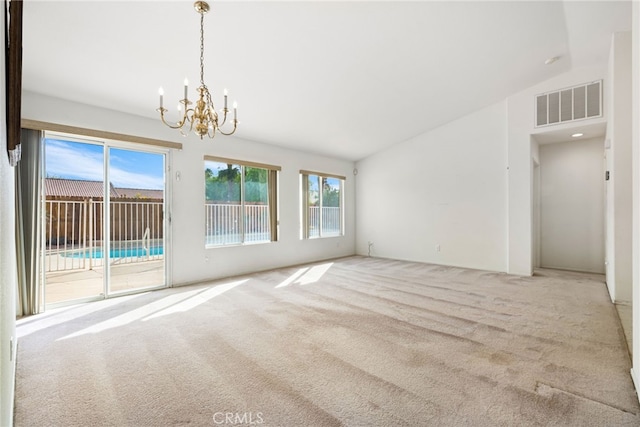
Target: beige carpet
[[357, 341]]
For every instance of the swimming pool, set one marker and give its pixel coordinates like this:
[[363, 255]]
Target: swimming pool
[[116, 252]]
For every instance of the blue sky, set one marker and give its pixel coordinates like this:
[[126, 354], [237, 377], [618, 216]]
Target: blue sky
[[128, 169]]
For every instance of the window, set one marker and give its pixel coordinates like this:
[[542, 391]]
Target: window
[[322, 214], [240, 202]]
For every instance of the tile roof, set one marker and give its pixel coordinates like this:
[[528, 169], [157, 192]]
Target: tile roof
[[77, 188]]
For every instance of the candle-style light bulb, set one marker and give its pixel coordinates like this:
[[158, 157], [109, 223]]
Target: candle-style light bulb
[[235, 110], [186, 87], [225, 98], [161, 93]]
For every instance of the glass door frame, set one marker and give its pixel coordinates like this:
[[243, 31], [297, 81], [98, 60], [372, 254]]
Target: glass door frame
[[107, 144]]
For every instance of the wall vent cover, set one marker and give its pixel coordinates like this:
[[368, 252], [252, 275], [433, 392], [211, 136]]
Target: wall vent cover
[[574, 103]]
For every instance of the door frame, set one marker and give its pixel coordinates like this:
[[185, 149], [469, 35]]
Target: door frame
[[107, 144]]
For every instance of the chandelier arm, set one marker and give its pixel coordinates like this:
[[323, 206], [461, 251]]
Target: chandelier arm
[[191, 120], [212, 116], [212, 132], [225, 110], [188, 117], [178, 124], [224, 116], [235, 126], [212, 120]]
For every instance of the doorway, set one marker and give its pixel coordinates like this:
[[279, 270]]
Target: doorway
[[572, 223], [104, 230]]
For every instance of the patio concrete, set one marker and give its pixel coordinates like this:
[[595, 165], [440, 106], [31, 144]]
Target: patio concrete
[[76, 284]]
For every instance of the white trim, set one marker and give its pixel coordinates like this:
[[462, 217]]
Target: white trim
[[100, 134], [12, 397]]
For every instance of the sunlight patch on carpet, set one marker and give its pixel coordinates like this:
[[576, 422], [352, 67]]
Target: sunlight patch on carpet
[[289, 280], [196, 300], [58, 316], [306, 276], [134, 315]]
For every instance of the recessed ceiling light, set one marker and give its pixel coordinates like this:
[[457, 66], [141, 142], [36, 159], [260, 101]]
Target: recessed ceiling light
[[551, 60], [576, 135]]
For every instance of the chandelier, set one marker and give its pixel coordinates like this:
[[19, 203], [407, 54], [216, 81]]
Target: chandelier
[[203, 116]]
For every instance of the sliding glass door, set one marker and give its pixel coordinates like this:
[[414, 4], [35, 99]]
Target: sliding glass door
[[72, 219], [136, 212], [103, 219]]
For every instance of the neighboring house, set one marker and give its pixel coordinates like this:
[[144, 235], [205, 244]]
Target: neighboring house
[[78, 189], [74, 211]]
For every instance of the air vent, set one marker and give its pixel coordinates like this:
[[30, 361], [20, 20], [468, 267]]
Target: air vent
[[566, 105]]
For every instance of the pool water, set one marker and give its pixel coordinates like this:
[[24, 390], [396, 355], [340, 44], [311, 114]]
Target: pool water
[[117, 253]]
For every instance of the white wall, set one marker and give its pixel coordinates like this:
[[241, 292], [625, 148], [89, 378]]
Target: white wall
[[535, 203], [8, 282], [572, 205], [467, 203], [191, 262], [445, 188], [521, 132], [619, 129], [8, 270], [636, 190]]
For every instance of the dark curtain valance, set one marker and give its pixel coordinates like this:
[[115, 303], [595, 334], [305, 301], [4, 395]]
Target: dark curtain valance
[[13, 77]]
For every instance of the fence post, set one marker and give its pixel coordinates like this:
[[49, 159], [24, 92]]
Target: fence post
[[90, 234], [84, 234]]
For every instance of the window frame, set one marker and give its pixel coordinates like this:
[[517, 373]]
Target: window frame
[[273, 172], [305, 222]]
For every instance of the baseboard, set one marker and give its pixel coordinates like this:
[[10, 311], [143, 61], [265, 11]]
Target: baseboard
[[622, 302], [14, 352]]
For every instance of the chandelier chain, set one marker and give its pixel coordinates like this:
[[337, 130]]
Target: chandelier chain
[[202, 48]]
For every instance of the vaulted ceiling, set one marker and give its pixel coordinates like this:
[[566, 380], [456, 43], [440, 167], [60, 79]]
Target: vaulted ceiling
[[344, 79]]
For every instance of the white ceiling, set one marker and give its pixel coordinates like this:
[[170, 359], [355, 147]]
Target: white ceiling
[[563, 133], [344, 79]]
